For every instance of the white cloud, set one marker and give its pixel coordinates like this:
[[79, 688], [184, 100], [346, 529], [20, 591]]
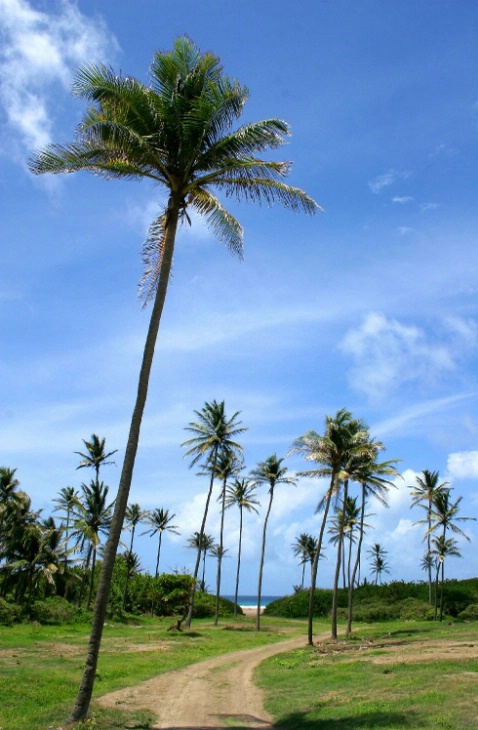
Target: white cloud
[[405, 230], [463, 464], [38, 52], [429, 206], [386, 179], [402, 199], [388, 354]]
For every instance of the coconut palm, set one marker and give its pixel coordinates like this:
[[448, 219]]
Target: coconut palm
[[332, 451], [205, 544], [213, 434], [444, 514], [442, 548], [227, 465], [134, 515], [379, 563], [160, 521], [372, 477], [178, 133], [241, 493], [269, 472], [92, 518], [423, 492], [304, 548], [95, 455], [67, 500]]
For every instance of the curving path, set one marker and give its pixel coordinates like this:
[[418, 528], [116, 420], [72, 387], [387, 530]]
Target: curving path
[[216, 693]]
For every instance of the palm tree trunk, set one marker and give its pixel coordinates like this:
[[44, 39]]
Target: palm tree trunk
[[261, 566], [238, 562], [219, 559], [125, 592], [429, 548], [315, 564], [201, 536], [85, 691], [356, 565], [158, 555], [338, 565], [92, 579]]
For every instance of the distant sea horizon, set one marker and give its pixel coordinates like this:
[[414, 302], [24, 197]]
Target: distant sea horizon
[[250, 601]]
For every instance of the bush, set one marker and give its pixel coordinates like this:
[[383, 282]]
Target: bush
[[413, 609], [205, 606], [297, 606], [9, 613], [470, 613], [54, 610]]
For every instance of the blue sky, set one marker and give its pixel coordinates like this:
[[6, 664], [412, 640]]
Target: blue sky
[[371, 305]]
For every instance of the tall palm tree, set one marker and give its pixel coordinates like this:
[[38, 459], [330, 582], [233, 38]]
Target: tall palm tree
[[379, 561], [160, 521], [67, 500], [372, 477], [269, 472], [95, 455], [332, 451], [134, 515], [423, 492], [92, 519], [442, 548], [213, 434], [177, 132], [204, 543], [241, 493], [227, 465], [302, 549]]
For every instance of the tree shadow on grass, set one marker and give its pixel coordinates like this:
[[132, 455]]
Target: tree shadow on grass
[[378, 719]]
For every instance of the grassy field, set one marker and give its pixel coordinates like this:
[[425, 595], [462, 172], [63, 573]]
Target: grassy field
[[391, 675], [41, 666]]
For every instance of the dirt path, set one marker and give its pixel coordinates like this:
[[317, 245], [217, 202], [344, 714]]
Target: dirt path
[[211, 694]]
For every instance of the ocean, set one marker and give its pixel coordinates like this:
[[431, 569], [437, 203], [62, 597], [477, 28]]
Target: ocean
[[251, 601]]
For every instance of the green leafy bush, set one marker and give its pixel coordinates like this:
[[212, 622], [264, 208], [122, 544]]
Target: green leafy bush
[[10, 613], [54, 610], [470, 613], [205, 606]]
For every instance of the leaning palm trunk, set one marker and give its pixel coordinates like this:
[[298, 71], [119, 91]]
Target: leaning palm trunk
[[313, 579], [189, 616], [238, 562], [340, 551], [356, 564], [86, 687], [219, 558], [92, 579], [261, 567]]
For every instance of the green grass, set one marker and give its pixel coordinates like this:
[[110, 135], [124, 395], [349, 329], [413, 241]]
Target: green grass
[[41, 666], [345, 687]]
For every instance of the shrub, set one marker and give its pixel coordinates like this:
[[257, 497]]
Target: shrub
[[54, 610], [9, 613], [470, 613], [205, 606], [414, 609]]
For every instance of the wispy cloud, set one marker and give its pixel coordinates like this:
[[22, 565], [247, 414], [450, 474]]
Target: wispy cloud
[[38, 53], [402, 421], [386, 179], [463, 465], [402, 199], [388, 354]]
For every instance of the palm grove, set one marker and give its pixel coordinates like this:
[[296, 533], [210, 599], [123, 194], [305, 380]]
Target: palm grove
[[180, 133]]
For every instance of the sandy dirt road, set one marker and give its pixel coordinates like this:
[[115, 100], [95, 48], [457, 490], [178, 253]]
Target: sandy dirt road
[[216, 693]]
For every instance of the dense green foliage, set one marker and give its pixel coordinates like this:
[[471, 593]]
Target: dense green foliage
[[380, 602]]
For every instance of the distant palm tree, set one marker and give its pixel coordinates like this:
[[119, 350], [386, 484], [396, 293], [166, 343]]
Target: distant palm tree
[[133, 516], [205, 544], [92, 518], [341, 442], [269, 472], [67, 500], [213, 433], [227, 465], [304, 548], [241, 493], [425, 490], [95, 455], [160, 521], [379, 563], [442, 548]]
